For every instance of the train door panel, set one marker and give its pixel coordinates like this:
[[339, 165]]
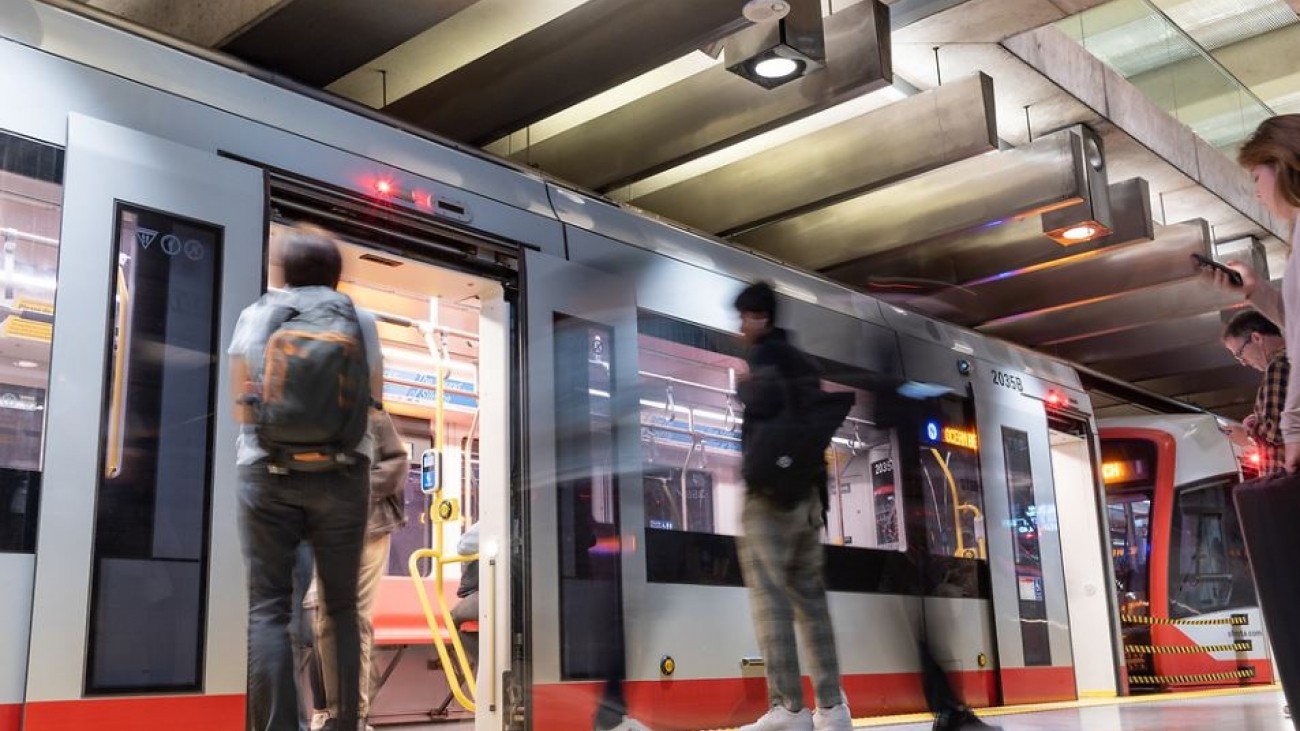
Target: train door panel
[[1031, 620], [139, 589], [585, 493]]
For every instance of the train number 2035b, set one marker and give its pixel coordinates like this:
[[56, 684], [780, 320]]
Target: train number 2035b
[[1006, 380]]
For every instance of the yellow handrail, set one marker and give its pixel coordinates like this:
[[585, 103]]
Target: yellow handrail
[[956, 511], [454, 682]]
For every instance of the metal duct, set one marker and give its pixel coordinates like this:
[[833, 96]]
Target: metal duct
[[594, 47], [1010, 265], [1144, 340], [716, 108], [1062, 324], [924, 132], [996, 188]]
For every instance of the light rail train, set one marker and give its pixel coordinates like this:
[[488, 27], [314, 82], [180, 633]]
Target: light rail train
[[567, 364]]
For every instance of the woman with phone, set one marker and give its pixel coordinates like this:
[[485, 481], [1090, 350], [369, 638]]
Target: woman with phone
[[1272, 155]]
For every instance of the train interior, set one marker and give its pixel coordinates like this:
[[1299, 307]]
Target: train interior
[[428, 316]]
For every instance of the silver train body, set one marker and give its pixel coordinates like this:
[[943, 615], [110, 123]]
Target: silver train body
[[996, 486]]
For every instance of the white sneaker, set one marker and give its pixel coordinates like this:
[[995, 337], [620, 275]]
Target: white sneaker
[[318, 720], [630, 724], [835, 718], [780, 718]]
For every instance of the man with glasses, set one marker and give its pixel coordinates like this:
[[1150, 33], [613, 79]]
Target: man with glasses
[[1256, 342]]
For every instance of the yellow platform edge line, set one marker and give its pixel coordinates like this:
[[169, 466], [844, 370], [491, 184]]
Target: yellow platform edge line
[[1090, 699]]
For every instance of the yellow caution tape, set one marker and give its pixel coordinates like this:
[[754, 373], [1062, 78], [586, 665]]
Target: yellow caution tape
[[1245, 646], [1236, 620], [1190, 679]]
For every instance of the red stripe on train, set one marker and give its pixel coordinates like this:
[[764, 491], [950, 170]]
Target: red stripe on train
[[11, 717], [678, 705], [172, 713]]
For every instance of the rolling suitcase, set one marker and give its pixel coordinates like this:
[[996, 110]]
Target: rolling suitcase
[[1269, 511]]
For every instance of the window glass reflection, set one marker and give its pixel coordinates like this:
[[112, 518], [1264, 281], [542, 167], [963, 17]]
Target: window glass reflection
[[31, 193]]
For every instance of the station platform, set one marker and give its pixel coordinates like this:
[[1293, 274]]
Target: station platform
[[1217, 710]]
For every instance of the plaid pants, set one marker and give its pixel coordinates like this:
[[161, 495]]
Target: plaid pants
[[781, 559]]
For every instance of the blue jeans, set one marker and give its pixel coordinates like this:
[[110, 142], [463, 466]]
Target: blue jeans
[[328, 510]]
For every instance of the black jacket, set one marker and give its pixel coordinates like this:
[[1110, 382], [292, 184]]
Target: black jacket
[[776, 367]]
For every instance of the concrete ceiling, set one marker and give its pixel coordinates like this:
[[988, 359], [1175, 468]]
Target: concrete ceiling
[[908, 153]]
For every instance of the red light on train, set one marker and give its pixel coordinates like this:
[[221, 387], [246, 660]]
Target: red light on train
[[1255, 458], [1055, 399], [422, 199], [384, 187]]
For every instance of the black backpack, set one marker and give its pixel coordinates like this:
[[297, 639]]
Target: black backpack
[[314, 398], [784, 456]]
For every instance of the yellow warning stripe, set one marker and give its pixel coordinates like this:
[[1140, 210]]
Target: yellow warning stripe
[[1184, 679], [1246, 646], [1236, 620]]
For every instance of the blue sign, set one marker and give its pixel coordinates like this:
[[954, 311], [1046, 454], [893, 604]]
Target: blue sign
[[932, 431], [429, 464]]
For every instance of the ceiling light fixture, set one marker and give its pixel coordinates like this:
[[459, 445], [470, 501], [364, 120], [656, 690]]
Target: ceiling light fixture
[[779, 51], [1079, 233], [1088, 216], [776, 67]]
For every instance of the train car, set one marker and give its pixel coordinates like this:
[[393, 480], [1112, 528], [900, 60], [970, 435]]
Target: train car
[[1186, 597], [562, 366]]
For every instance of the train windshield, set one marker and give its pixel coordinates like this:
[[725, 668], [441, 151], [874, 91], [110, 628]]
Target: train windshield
[[1128, 469]]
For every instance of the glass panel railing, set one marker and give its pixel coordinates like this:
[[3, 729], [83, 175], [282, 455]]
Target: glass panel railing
[[1140, 41]]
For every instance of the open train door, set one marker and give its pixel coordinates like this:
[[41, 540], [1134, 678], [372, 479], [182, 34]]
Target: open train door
[[582, 445], [139, 608], [1031, 619]]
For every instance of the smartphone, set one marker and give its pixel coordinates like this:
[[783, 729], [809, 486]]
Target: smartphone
[[1233, 276]]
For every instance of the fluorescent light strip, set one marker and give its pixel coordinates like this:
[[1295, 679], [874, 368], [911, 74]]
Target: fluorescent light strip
[[428, 361]]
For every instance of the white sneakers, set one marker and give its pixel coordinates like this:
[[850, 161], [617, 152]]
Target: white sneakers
[[630, 724], [835, 718], [780, 718]]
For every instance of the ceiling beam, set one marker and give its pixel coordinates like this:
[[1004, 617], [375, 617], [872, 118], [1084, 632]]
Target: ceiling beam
[[716, 108], [590, 49], [927, 131]]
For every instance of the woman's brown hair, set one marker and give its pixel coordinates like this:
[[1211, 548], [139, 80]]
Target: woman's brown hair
[[1276, 143]]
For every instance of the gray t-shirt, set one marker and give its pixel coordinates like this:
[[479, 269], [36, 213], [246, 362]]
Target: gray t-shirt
[[250, 338]]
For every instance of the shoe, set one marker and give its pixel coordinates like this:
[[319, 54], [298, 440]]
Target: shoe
[[960, 719], [318, 720], [627, 724], [780, 718], [835, 718]]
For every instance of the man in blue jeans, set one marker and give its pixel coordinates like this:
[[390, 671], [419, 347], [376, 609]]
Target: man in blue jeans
[[280, 508]]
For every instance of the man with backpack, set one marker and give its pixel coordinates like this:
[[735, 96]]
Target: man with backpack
[[788, 425], [303, 368]]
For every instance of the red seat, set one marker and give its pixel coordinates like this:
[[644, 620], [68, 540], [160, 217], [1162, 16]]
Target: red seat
[[399, 619]]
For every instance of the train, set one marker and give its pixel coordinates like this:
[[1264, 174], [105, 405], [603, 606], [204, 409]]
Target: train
[[562, 369]]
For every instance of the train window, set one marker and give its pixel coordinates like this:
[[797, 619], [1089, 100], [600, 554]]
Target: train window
[[154, 496], [31, 193], [1129, 516], [690, 438], [587, 490], [1028, 558], [1209, 571], [950, 483]]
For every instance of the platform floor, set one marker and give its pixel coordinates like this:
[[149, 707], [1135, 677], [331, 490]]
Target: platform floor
[[1217, 711]]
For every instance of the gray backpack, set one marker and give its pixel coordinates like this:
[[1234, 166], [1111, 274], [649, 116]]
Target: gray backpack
[[314, 397]]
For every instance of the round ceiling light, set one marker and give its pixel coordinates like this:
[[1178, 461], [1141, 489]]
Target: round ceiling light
[[1079, 233], [776, 68], [765, 11]]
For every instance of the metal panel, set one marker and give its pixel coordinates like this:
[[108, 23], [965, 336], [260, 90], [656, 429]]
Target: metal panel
[[1047, 327], [16, 576], [105, 163], [716, 108], [1175, 360], [554, 286], [611, 222], [594, 47], [997, 407], [344, 34], [1208, 379], [997, 187], [1004, 267], [924, 132]]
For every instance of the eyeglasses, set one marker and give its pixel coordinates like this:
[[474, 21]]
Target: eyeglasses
[[1237, 353]]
